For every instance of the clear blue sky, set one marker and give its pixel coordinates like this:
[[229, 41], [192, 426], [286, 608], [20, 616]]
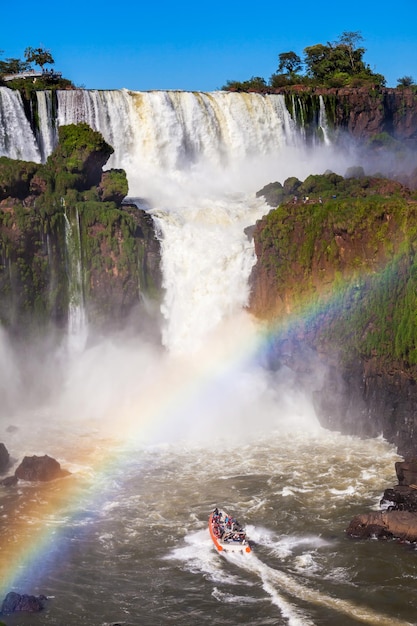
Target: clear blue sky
[[200, 45]]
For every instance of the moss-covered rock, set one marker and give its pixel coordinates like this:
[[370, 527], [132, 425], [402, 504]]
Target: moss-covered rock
[[15, 177], [115, 243]]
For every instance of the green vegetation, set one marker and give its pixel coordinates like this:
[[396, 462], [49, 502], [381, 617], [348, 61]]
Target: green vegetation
[[346, 264], [336, 64], [49, 79], [38, 201]]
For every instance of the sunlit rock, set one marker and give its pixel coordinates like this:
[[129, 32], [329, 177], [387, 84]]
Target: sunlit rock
[[384, 525]]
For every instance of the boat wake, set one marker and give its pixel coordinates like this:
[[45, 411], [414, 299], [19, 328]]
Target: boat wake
[[281, 587], [283, 590]]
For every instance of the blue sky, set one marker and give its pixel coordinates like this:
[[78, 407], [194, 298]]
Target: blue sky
[[200, 45]]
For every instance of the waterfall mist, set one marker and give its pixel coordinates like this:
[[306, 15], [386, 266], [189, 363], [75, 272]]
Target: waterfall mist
[[198, 159]]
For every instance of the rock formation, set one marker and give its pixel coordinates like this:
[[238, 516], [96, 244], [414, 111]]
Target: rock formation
[[116, 244], [399, 519], [43, 468], [335, 275], [4, 458], [15, 602]]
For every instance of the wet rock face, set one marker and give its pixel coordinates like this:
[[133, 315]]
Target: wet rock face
[[384, 525], [400, 498], [406, 472], [4, 458], [15, 602], [42, 468]]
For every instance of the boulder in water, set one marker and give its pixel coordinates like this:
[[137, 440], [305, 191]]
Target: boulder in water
[[4, 458], [43, 468], [9, 481], [384, 525], [14, 602]]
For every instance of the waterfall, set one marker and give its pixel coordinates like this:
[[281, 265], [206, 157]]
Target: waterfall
[[170, 140], [77, 319], [323, 123], [46, 135], [197, 159], [17, 140]]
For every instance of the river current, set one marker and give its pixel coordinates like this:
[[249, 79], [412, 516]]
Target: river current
[[127, 539]]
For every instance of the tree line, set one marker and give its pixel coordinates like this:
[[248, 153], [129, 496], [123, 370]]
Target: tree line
[[335, 64]]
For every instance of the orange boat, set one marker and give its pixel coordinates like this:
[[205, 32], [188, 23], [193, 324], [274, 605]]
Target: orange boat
[[227, 534]]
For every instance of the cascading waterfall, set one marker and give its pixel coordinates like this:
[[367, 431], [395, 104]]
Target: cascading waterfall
[[197, 158], [47, 136], [77, 319], [17, 140], [323, 123]]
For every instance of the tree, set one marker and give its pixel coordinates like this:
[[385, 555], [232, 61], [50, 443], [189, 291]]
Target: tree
[[39, 56], [289, 62], [405, 81], [317, 62], [349, 39], [13, 66], [341, 59]]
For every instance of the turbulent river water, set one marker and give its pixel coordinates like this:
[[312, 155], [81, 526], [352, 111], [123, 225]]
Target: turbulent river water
[[168, 419]]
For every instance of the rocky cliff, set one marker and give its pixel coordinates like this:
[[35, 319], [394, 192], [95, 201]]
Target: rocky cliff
[[379, 114], [336, 277], [66, 214]]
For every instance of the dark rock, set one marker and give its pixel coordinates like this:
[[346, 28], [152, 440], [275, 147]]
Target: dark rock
[[406, 472], [400, 498], [9, 481], [41, 468], [384, 524], [4, 458], [14, 602]]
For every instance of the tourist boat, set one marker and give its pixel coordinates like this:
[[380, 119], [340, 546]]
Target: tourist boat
[[227, 534]]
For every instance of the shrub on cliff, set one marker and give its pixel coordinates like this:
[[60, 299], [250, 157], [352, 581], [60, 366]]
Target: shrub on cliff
[[77, 161], [15, 177], [113, 186]]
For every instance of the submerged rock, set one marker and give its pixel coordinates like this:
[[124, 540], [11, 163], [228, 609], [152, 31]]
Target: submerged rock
[[14, 602], [41, 468]]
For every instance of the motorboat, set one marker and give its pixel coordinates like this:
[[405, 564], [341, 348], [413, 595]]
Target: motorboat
[[227, 534]]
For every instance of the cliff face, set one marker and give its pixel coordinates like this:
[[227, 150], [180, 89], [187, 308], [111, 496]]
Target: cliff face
[[338, 281], [65, 238], [368, 112]]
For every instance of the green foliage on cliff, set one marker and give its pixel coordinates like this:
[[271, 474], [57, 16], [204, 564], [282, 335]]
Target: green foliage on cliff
[[40, 202], [346, 266], [76, 163], [15, 177]]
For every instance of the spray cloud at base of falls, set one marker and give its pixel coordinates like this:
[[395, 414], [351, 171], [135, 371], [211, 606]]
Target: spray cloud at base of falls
[[199, 159]]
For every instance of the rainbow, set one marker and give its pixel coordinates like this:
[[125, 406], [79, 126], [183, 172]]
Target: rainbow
[[176, 392]]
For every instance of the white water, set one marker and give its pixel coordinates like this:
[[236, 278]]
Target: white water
[[198, 158], [77, 317], [16, 138], [47, 136]]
